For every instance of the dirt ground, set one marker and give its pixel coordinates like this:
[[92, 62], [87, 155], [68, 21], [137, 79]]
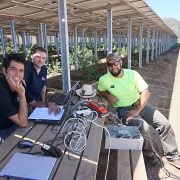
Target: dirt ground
[[153, 167]]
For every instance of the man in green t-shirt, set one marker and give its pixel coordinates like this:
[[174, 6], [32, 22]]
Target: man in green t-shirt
[[126, 90]]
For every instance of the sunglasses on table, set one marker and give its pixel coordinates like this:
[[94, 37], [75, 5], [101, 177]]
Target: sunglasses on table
[[113, 64]]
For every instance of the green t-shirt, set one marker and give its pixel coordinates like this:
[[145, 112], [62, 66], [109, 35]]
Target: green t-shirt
[[127, 89]]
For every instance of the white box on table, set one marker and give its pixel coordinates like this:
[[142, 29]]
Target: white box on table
[[133, 142]]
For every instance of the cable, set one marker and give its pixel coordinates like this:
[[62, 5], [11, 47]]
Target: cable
[[167, 172], [115, 118], [75, 134], [109, 149], [152, 142], [120, 130], [79, 106], [75, 130], [75, 140]]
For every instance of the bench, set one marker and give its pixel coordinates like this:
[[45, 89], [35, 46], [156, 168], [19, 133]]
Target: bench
[[130, 165]]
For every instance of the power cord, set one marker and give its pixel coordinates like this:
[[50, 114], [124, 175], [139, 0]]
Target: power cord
[[167, 172], [109, 149], [75, 138], [151, 141], [75, 129]]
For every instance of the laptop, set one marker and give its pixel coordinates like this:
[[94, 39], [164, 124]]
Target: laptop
[[29, 167], [59, 98], [64, 98], [41, 115]]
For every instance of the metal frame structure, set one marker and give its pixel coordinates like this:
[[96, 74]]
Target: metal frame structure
[[47, 17], [88, 14]]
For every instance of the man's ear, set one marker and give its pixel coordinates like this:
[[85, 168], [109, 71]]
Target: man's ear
[[4, 71], [121, 63], [32, 56]]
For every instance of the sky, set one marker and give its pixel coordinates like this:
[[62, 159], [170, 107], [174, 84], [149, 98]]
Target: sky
[[165, 8]]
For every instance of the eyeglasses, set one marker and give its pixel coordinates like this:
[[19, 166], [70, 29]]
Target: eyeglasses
[[113, 64]]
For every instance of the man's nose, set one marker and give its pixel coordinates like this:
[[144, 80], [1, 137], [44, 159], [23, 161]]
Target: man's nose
[[114, 66], [18, 73]]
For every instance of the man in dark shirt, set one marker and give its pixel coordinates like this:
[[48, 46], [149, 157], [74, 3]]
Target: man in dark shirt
[[35, 77], [14, 96], [13, 106], [36, 73]]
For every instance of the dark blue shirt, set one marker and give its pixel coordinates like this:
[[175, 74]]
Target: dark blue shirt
[[34, 81], [9, 105]]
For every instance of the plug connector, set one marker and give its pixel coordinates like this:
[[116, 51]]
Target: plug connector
[[51, 150], [84, 112]]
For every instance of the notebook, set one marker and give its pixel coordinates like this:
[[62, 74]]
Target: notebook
[[27, 166], [41, 115]]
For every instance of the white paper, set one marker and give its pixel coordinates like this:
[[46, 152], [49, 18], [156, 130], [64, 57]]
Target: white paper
[[29, 166], [42, 113]]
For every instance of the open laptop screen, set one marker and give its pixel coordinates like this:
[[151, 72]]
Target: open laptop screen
[[41, 115]]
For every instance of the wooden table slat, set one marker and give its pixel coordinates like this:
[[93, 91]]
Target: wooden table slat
[[12, 141], [89, 163], [139, 171], [123, 165]]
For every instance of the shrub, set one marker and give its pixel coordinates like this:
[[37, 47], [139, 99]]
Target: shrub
[[122, 51], [86, 58], [54, 67]]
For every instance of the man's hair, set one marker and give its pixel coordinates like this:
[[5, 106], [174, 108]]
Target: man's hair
[[13, 57], [39, 49], [113, 56]]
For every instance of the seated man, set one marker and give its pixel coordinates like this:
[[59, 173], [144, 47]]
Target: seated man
[[35, 77], [126, 90], [13, 95], [36, 73], [13, 106]]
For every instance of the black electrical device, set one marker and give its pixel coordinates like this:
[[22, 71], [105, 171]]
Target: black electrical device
[[25, 144], [51, 150]]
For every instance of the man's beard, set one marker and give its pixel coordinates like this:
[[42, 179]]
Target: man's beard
[[117, 73]]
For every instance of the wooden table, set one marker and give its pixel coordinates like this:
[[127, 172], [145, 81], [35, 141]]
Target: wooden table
[[130, 165], [70, 165]]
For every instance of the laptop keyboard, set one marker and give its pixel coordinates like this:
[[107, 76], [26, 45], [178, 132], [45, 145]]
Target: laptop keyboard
[[59, 98]]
